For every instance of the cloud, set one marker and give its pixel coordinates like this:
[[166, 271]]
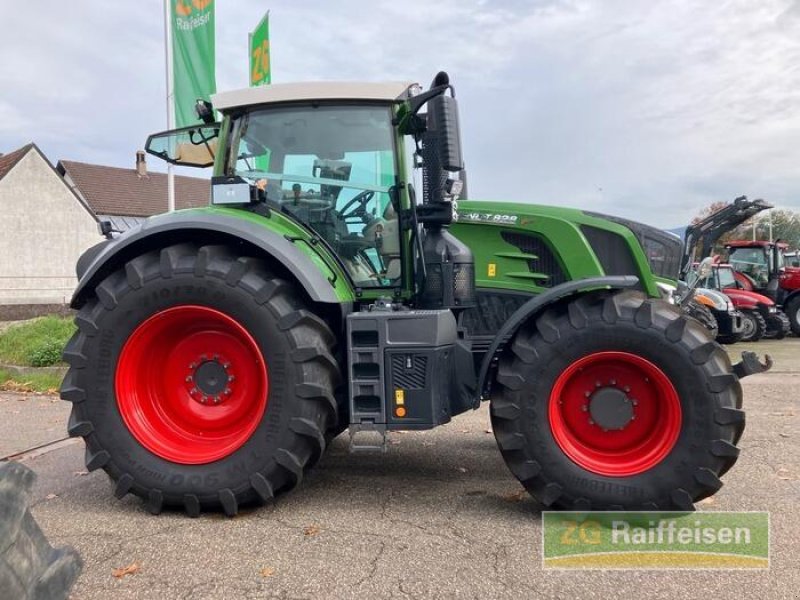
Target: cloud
[[647, 110]]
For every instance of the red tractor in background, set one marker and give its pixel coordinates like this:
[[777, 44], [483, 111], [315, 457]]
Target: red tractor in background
[[760, 316], [761, 267]]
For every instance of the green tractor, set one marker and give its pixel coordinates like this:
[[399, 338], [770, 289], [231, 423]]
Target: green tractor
[[221, 349]]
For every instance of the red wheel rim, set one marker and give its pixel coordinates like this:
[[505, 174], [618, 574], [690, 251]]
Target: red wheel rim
[[614, 414], [191, 384]]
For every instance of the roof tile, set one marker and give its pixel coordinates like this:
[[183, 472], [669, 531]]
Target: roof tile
[[117, 191], [7, 161]]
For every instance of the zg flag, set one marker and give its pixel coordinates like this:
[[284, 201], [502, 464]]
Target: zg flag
[[260, 72], [193, 62]]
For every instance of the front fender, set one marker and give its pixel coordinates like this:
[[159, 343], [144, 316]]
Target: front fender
[[535, 306], [99, 261]]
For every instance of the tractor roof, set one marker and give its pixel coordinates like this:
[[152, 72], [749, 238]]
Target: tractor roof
[[311, 90], [754, 244]]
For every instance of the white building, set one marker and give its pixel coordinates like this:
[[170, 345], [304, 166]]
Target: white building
[[44, 227]]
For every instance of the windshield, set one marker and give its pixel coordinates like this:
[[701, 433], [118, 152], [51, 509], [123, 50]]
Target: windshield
[[331, 167], [752, 262], [726, 278]]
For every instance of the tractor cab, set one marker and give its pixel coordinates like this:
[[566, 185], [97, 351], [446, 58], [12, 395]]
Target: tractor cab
[[759, 264], [338, 158]]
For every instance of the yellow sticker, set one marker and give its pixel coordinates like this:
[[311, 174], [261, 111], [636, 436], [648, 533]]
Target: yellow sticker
[[399, 397], [492, 269]]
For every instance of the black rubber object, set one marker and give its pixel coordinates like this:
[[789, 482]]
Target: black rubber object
[[710, 396], [792, 310], [703, 314], [296, 344], [30, 568], [778, 326]]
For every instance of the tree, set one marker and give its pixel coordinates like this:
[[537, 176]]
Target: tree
[[785, 226]]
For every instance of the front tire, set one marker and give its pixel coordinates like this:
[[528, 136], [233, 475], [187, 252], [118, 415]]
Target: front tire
[[634, 357], [199, 380], [703, 314], [753, 326]]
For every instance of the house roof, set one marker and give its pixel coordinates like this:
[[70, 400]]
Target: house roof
[[117, 191], [8, 161]]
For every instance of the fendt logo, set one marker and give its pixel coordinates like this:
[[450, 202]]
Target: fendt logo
[[184, 8]]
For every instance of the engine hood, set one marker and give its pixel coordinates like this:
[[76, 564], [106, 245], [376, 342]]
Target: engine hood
[[744, 298]]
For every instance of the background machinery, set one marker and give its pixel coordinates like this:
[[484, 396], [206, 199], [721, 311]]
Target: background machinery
[[761, 267]]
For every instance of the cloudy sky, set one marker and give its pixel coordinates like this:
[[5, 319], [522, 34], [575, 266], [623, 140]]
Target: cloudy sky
[[648, 110]]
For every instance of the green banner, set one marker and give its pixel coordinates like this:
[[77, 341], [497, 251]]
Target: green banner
[[260, 71], [193, 62]]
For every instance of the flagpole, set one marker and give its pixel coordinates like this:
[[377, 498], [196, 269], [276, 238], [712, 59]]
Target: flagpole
[[170, 99]]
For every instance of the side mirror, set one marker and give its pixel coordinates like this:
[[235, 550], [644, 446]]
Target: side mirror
[[443, 123], [194, 146]]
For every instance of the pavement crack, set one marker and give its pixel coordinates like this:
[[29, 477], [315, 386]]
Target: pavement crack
[[373, 564]]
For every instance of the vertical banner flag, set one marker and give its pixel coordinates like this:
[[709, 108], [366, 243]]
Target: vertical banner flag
[[193, 61], [260, 72]]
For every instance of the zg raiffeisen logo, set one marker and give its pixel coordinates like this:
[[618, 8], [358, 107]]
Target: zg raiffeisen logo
[[655, 540], [184, 8]]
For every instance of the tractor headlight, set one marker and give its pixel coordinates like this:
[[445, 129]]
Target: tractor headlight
[[772, 309], [667, 291]]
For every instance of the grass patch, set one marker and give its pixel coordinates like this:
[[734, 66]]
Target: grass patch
[[36, 343], [43, 383]]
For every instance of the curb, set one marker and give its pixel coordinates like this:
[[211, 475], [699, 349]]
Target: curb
[[23, 371]]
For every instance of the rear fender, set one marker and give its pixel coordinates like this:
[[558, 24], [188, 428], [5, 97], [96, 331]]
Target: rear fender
[[101, 260], [535, 306]]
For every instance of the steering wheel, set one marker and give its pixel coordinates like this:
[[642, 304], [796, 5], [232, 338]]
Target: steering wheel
[[360, 211]]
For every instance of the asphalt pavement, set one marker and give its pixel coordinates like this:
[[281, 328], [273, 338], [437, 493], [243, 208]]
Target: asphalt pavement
[[438, 516]]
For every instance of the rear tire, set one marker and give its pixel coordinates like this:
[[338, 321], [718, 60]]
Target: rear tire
[[138, 412], [679, 471], [753, 326]]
